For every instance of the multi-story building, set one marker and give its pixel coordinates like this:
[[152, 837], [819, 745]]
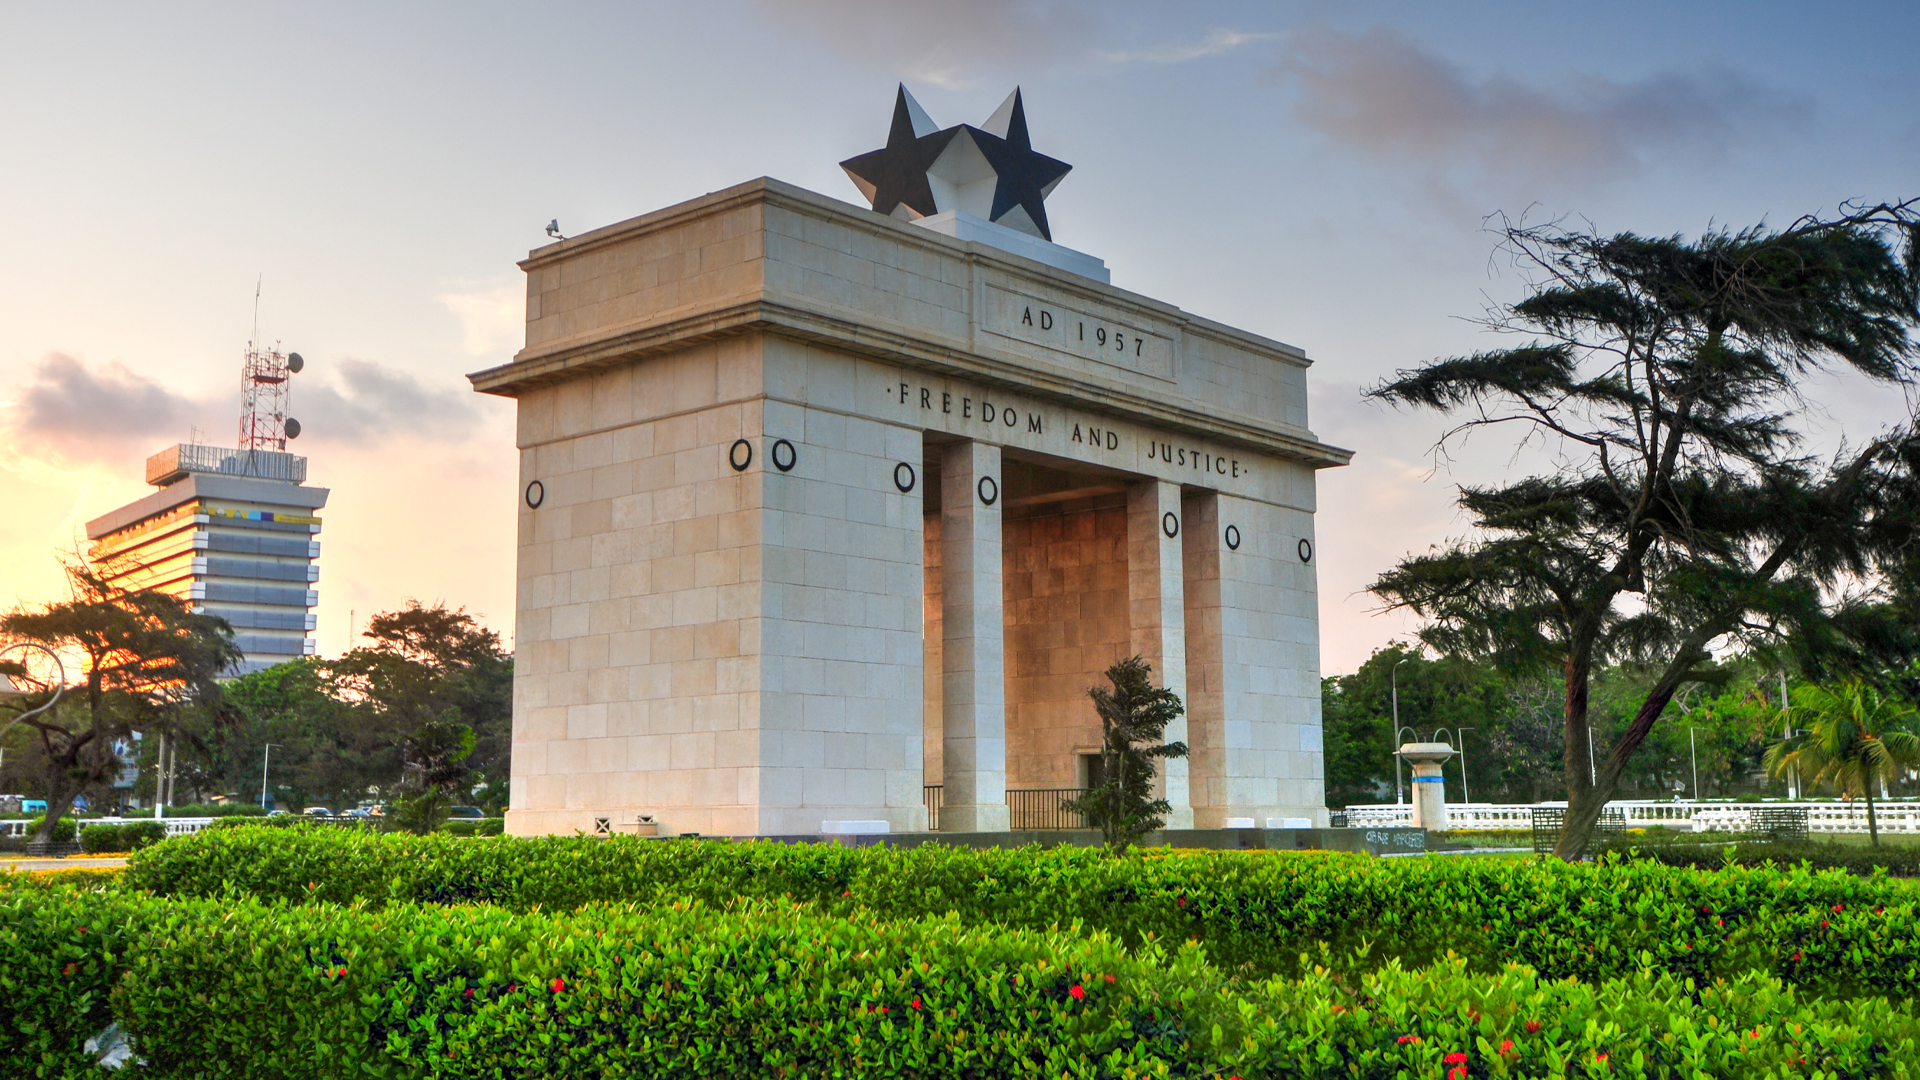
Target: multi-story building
[[232, 532]]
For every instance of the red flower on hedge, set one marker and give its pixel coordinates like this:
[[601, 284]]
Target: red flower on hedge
[[558, 984], [341, 971], [1414, 1039], [1459, 1073], [70, 968], [916, 1003], [1078, 992], [1506, 1046], [1839, 907], [1533, 1027], [469, 993], [1796, 954], [1455, 1058], [1109, 978]]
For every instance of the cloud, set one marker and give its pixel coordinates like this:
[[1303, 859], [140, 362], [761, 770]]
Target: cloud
[[70, 415], [78, 414], [492, 319], [943, 43], [366, 402], [1216, 43], [1381, 94]]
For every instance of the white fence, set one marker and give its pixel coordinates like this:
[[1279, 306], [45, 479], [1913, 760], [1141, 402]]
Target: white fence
[[17, 828], [1898, 816]]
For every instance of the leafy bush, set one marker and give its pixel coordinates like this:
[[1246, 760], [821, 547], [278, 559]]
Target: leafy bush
[[1864, 861], [63, 830], [772, 989], [213, 810], [1255, 912], [121, 836], [103, 837], [475, 827]]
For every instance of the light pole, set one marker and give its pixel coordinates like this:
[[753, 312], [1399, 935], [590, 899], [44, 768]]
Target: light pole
[[9, 691], [1466, 797], [1393, 678], [266, 755], [1693, 751]]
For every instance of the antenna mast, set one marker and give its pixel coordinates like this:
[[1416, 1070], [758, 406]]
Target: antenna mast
[[264, 378]]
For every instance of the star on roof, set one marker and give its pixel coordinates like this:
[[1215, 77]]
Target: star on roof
[[990, 172]]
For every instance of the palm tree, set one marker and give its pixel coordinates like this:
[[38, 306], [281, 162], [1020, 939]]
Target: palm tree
[[1854, 736]]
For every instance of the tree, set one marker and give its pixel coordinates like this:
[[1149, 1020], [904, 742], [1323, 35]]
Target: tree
[[434, 684], [1855, 736], [1133, 719], [1663, 378], [1357, 714], [149, 663], [320, 755]]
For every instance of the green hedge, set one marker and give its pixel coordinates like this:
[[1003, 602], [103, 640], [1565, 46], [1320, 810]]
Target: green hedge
[[1902, 861], [475, 827], [63, 830], [238, 988], [121, 836], [1255, 912]]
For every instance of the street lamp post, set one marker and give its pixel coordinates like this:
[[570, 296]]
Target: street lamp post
[[266, 755], [1466, 797], [1693, 751], [1393, 678], [8, 690]]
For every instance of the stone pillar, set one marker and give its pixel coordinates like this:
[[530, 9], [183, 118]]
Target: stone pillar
[[973, 680], [1205, 667], [1429, 788], [1156, 596]]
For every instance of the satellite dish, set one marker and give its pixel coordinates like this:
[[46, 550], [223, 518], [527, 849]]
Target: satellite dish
[[294, 363], [293, 428]]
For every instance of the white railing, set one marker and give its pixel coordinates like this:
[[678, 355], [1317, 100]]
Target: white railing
[[16, 828], [1897, 816]]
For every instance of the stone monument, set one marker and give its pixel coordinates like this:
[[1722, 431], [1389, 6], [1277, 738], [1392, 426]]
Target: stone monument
[[829, 516]]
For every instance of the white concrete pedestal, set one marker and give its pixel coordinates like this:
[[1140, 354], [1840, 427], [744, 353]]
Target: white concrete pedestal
[[1429, 788]]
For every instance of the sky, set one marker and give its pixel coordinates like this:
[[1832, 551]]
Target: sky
[[1318, 173]]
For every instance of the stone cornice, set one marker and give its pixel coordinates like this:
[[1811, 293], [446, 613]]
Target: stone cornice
[[771, 312]]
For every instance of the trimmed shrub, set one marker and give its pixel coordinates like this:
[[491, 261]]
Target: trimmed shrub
[[1256, 912], [96, 838], [774, 990], [64, 830], [1898, 861], [121, 836], [475, 827]]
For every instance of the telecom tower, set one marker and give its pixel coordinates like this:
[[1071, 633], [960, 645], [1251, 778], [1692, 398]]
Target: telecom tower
[[231, 531]]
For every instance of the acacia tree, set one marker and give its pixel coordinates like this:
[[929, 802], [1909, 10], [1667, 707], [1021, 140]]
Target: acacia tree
[[1663, 379], [435, 685], [149, 660], [1133, 718]]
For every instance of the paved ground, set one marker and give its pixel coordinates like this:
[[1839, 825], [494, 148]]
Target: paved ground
[[72, 862]]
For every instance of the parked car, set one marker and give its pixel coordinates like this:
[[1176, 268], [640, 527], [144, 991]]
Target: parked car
[[33, 806], [466, 813], [318, 811]]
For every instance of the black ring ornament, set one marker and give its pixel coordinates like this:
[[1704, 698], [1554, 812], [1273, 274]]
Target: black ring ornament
[[536, 494], [733, 455], [905, 485], [1233, 538], [1306, 550], [792, 456], [989, 490], [1170, 524]]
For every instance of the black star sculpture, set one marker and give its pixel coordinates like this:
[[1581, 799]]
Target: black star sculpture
[[990, 172]]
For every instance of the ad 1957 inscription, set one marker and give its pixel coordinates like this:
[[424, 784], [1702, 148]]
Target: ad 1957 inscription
[[1084, 334]]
